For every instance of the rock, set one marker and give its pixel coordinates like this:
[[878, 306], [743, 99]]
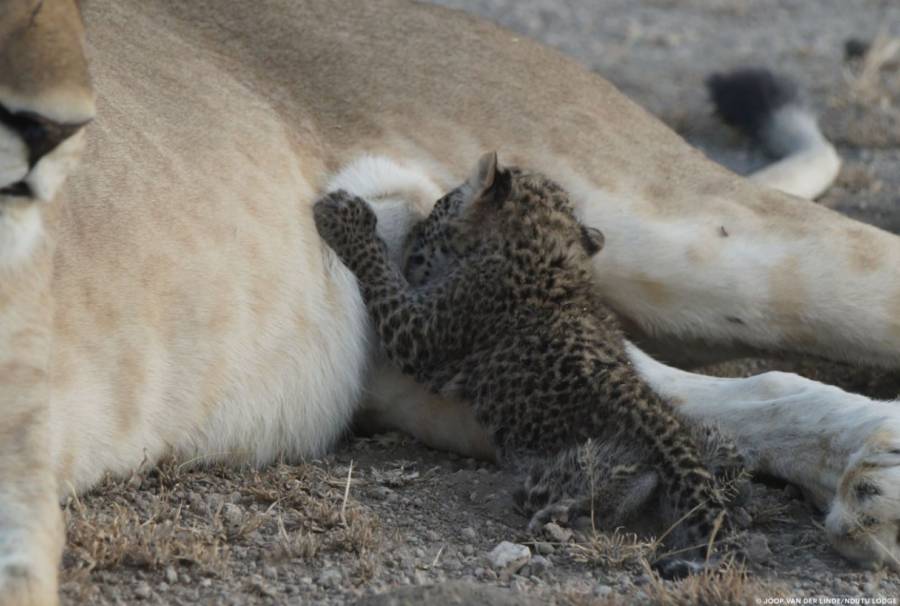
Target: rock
[[544, 548], [557, 532], [330, 577], [601, 590], [468, 549], [233, 514], [539, 564], [143, 591], [757, 548], [469, 533], [270, 572], [171, 575], [509, 557]]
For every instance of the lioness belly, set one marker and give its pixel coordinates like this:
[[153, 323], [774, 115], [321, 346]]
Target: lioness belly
[[196, 310]]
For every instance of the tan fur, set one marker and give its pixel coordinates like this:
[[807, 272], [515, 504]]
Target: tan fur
[[179, 299]]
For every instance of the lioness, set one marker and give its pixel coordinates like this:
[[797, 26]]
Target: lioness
[[174, 298]]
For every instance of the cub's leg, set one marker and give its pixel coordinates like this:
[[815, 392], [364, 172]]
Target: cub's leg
[[420, 330]]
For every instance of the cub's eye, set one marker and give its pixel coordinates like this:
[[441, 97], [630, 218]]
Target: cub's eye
[[864, 491]]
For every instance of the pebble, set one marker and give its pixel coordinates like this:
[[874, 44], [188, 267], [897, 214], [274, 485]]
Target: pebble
[[143, 591], [469, 533], [544, 548], [468, 549], [270, 572], [171, 575], [539, 564], [509, 557], [557, 532], [330, 577], [384, 493], [757, 548], [233, 514], [601, 590]]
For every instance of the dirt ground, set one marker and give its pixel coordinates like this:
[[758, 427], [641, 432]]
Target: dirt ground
[[385, 520]]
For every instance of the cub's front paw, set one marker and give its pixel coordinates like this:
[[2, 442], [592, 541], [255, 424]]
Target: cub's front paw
[[345, 222]]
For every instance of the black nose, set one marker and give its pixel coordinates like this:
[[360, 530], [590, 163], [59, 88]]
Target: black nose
[[40, 134]]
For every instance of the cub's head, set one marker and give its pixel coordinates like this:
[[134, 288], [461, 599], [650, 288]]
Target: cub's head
[[522, 215], [45, 97], [863, 521]]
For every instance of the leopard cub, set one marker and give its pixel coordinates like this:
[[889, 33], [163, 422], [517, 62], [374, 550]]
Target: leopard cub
[[495, 306]]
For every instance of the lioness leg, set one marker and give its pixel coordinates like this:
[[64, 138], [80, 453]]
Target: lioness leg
[[31, 534], [842, 449]]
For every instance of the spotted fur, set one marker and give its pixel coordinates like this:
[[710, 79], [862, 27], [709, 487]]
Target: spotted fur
[[499, 310]]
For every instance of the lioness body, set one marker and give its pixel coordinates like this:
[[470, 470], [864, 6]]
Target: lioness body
[[172, 295]]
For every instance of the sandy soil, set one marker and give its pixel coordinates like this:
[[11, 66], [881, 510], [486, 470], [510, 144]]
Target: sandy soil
[[385, 513]]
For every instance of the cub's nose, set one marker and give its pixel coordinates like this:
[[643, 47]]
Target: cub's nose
[[41, 135]]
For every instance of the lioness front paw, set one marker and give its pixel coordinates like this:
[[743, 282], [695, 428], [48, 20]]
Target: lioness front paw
[[345, 222]]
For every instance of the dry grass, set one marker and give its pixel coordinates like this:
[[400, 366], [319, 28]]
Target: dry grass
[[725, 586], [617, 550], [173, 515], [104, 538]]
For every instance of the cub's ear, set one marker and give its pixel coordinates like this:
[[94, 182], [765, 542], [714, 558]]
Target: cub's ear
[[490, 182], [592, 239]]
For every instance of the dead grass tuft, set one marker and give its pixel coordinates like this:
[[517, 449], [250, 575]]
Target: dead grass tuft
[[102, 539], [618, 550], [725, 586]]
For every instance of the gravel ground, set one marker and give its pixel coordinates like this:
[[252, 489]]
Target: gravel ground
[[386, 521]]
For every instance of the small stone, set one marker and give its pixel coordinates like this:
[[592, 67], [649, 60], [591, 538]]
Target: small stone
[[469, 533], [602, 591], [205, 582], [539, 564], [557, 532], [270, 572], [330, 577], [468, 549], [509, 557], [143, 591], [641, 579], [171, 575], [233, 514], [757, 548], [544, 548], [382, 492]]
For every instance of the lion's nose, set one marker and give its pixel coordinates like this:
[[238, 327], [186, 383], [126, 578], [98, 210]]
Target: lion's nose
[[41, 135]]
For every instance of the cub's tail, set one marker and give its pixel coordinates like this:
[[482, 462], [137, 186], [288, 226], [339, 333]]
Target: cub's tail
[[766, 107]]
